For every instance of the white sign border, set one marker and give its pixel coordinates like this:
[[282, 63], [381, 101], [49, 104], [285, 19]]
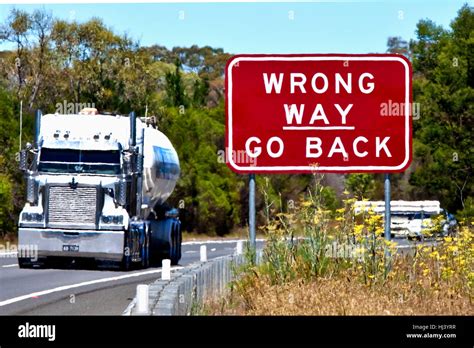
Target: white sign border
[[238, 59]]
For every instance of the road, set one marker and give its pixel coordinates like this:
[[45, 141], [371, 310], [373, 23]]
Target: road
[[90, 292], [80, 291]]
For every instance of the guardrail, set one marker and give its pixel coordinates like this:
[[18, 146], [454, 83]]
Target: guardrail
[[187, 288]]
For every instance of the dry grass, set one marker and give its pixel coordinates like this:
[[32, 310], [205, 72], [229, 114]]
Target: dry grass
[[310, 278], [342, 296], [10, 238]]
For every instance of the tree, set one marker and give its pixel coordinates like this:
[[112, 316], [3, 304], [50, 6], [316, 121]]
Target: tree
[[444, 146], [41, 26], [201, 90], [87, 62], [174, 87], [361, 185], [16, 30], [395, 44], [209, 191], [10, 178]]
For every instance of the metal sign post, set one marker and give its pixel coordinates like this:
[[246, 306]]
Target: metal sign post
[[387, 220], [252, 236], [387, 207], [21, 122]]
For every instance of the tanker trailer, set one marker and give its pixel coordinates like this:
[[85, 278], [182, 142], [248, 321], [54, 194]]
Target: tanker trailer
[[96, 189]]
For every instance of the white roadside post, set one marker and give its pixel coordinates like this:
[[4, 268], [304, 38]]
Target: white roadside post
[[166, 269], [142, 306], [203, 253], [240, 247]]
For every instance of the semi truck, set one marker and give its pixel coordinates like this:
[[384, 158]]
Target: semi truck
[[96, 189]]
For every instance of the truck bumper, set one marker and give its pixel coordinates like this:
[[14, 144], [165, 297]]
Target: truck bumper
[[100, 245]]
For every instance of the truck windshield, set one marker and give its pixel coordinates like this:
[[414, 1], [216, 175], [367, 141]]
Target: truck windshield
[[79, 161]]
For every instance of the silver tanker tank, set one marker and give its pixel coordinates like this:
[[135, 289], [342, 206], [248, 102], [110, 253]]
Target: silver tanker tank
[[106, 132], [160, 167]]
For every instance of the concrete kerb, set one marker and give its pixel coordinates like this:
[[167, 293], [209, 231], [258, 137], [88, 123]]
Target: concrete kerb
[[189, 287]]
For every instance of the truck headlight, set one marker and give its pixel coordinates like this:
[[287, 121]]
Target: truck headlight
[[112, 219], [32, 217]]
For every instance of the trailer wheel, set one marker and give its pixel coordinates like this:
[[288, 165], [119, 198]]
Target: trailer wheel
[[165, 241], [179, 239], [146, 252], [175, 247], [155, 248]]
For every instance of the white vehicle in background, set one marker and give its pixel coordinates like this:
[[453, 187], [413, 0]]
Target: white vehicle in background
[[410, 218]]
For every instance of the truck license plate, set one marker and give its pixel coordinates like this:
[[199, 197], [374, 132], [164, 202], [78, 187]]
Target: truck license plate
[[68, 247]]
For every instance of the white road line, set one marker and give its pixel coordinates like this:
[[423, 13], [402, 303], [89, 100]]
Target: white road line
[[73, 286], [226, 241], [12, 265], [128, 310], [404, 246], [219, 241], [190, 251]]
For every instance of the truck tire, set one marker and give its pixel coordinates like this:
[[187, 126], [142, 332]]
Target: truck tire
[[174, 247], [155, 248], [146, 252], [28, 263], [25, 262], [177, 243], [165, 241]]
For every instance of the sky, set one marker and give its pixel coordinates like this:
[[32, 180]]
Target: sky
[[288, 27]]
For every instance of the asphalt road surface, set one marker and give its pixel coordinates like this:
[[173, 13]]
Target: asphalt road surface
[[79, 291], [82, 291]]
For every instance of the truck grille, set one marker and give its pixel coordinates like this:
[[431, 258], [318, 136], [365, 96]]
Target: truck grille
[[67, 206]]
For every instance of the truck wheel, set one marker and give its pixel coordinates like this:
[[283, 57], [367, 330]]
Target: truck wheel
[[28, 263], [179, 239], [25, 262], [175, 247], [165, 241], [146, 252]]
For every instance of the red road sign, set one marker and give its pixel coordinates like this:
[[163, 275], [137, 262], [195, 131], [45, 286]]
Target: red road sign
[[330, 113]]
